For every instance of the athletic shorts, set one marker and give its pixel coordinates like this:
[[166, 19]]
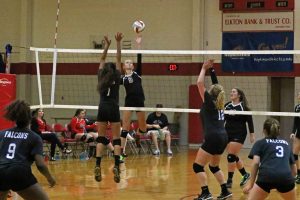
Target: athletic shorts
[[108, 112], [280, 187], [16, 177], [134, 102], [240, 138], [215, 144], [161, 134]]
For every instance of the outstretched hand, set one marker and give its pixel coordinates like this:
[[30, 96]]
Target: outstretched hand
[[208, 64], [119, 36], [107, 41]]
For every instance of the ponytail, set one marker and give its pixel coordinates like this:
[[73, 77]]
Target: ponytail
[[271, 128]]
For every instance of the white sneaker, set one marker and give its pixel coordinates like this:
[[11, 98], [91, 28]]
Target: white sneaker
[[170, 153], [130, 138], [156, 153]]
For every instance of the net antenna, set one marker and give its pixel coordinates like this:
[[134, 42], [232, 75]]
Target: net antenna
[[55, 55]]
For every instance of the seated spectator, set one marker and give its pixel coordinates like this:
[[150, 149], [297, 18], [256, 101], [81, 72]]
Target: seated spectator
[[157, 125], [39, 125], [79, 127], [81, 131]]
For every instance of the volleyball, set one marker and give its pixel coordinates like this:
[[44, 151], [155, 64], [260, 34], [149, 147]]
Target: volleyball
[[138, 26]]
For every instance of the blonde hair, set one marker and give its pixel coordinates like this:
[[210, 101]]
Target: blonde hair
[[218, 93], [271, 127]]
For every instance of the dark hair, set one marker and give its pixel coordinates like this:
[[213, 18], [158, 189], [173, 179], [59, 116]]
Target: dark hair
[[242, 98], [271, 127], [159, 105], [78, 111], [107, 77], [19, 112]]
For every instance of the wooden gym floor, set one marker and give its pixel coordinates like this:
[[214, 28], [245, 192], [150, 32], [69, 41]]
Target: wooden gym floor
[[143, 177]]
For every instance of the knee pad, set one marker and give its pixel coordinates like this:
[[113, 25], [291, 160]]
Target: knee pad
[[91, 139], [102, 140], [142, 132], [117, 142], [296, 157], [214, 169], [231, 158], [124, 133], [198, 168], [237, 159]]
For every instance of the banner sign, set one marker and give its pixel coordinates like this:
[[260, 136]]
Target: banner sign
[[258, 41], [262, 21]]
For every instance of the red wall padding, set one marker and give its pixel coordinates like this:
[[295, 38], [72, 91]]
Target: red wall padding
[[7, 95], [195, 124]]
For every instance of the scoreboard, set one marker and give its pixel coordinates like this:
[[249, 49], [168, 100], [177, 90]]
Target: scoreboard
[[256, 5]]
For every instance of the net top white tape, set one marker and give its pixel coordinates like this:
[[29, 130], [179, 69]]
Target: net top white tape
[[169, 52]]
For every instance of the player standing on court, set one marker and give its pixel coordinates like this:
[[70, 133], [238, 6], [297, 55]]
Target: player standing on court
[[212, 115], [273, 165], [236, 129], [19, 148], [109, 110], [296, 140]]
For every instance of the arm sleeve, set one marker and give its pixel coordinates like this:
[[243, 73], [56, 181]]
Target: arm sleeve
[[291, 159], [213, 76], [34, 126], [250, 123], [37, 146], [139, 64]]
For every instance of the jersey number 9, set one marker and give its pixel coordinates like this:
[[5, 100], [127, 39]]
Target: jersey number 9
[[11, 151]]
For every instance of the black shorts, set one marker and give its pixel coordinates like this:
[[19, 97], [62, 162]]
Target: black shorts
[[16, 177], [240, 138], [108, 112], [280, 187], [134, 102], [215, 144]]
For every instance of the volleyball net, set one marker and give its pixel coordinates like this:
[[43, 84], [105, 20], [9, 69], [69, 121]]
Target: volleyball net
[[67, 78]]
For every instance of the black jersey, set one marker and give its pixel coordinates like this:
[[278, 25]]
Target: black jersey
[[275, 160], [296, 127], [112, 93], [162, 120], [212, 118], [133, 86], [236, 124], [19, 146]]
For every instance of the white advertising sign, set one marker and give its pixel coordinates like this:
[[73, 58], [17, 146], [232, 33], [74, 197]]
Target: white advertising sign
[[265, 21]]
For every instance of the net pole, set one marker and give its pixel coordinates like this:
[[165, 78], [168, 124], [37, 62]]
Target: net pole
[[38, 77], [54, 57]]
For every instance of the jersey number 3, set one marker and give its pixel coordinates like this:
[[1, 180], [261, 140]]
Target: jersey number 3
[[11, 151], [279, 152]]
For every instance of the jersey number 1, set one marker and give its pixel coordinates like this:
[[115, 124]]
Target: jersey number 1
[[11, 151]]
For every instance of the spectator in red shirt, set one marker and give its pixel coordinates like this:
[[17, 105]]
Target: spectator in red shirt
[[79, 127], [39, 125]]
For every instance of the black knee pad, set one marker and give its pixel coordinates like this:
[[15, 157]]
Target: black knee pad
[[214, 169], [198, 168], [231, 158], [124, 133], [296, 157], [142, 132], [237, 159], [102, 140], [117, 142]]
